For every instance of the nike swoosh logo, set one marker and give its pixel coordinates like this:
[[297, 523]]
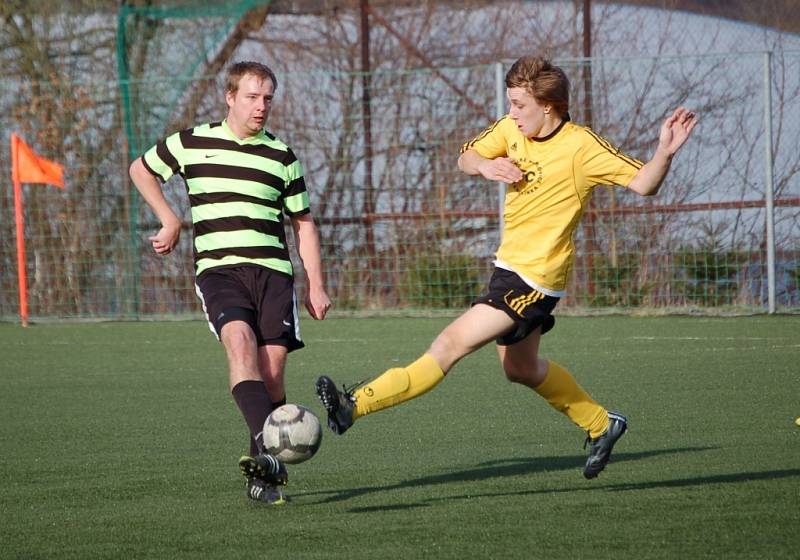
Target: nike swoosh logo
[[287, 324], [211, 155]]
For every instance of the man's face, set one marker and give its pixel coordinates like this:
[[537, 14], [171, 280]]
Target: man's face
[[249, 107], [527, 113]]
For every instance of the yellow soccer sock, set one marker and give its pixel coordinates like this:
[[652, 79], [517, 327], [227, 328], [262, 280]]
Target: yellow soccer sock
[[398, 385], [564, 394]]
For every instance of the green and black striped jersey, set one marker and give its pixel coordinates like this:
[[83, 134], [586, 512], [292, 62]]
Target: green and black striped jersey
[[239, 191]]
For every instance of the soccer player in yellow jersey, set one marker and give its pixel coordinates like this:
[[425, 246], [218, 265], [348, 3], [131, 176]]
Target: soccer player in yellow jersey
[[550, 166]]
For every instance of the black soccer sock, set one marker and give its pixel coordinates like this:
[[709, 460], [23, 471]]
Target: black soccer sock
[[253, 401], [280, 403]]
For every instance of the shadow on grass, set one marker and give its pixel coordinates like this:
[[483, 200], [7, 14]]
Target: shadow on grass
[[674, 483], [494, 469]]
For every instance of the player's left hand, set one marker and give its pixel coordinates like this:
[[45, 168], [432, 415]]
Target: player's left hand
[[317, 303], [165, 240], [676, 130]]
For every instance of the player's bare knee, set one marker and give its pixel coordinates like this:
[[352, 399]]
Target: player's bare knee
[[238, 338], [447, 349], [513, 374], [524, 374]]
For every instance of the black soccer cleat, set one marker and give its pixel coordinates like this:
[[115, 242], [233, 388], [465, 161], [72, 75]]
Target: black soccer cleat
[[600, 451], [264, 467], [260, 491], [339, 404]]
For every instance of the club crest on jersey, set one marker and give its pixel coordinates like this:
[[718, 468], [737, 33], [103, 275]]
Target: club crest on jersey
[[531, 177]]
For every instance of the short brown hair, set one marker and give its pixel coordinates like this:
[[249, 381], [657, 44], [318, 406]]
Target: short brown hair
[[237, 71], [543, 81]]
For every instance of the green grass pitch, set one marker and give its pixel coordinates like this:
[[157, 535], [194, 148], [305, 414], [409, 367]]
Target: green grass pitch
[[120, 440]]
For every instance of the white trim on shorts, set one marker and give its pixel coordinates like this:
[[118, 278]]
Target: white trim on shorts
[[205, 310], [296, 315]]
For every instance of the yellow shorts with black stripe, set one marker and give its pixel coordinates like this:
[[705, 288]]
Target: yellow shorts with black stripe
[[529, 308]]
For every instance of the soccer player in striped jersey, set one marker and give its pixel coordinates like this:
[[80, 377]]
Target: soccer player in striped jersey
[[241, 180], [551, 167]]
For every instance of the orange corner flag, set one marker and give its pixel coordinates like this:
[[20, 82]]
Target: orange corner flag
[[27, 167]]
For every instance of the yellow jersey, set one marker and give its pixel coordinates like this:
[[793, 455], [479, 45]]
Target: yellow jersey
[[543, 210]]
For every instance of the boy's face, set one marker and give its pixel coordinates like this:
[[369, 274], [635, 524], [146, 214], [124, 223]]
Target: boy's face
[[249, 107], [527, 113]]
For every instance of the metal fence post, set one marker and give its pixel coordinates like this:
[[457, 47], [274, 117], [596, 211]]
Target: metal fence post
[[500, 110], [768, 186]]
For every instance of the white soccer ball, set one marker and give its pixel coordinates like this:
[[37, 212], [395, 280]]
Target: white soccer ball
[[292, 434]]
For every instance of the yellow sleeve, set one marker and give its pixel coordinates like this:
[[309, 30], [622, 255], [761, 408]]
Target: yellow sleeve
[[604, 164], [491, 143]]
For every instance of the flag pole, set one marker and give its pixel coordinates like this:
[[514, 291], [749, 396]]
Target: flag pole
[[18, 213]]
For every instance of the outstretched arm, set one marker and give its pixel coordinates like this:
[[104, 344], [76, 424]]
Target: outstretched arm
[[148, 186], [316, 298], [674, 132]]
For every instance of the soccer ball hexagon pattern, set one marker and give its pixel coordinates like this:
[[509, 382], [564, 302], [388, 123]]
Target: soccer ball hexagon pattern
[[292, 434]]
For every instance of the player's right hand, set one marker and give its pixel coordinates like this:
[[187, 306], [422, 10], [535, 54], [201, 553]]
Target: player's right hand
[[166, 239], [317, 303], [500, 169]]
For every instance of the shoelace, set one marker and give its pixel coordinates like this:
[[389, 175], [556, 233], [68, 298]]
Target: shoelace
[[328, 399], [348, 391]]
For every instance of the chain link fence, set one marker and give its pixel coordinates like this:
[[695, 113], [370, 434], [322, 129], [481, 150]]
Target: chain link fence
[[402, 229]]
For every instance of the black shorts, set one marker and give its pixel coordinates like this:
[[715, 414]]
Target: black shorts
[[261, 297], [529, 308]]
